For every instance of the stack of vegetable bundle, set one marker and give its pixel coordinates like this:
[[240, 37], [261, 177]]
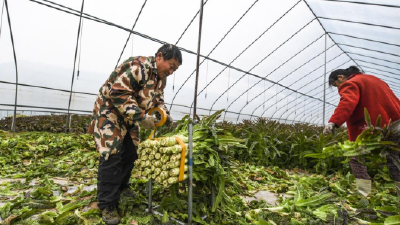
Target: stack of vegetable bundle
[[160, 159]]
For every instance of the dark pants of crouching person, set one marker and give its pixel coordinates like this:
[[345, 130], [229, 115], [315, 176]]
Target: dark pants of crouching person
[[360, 171], [114, 173]]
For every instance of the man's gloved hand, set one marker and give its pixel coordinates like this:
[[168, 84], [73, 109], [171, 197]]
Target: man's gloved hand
[[169, 120], [329, 128], [148, 122]]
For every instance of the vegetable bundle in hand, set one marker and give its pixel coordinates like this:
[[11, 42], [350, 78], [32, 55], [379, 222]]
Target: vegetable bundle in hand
[[160, 159]]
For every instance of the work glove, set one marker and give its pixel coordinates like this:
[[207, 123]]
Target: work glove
[[169, 120], [148, 122], [329, 128]]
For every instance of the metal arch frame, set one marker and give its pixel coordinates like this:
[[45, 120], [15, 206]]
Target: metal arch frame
[[318, 19], [327, 34], [367, 24], [310, 91], [254, 65], [380, 65], [311, 112], [108, 23], [317, 119], [129, 36], [48, 88], [302, 77], [270, 74], [363, 3], [383, 71], [305, 104], [190, 23], [289, 86], [322, 119], [312, 100], [212, 50], [14, 121], [229, 65], [96, 19], [296, 82], [365, 39], [303, 112], [367, 49], [352, 53], [398, 86], [305, 1]]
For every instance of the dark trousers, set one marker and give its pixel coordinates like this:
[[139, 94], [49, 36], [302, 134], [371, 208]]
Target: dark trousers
[[360, 171], [113, 174]]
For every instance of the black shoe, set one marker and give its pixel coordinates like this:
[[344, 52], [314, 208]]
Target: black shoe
[[110, 215], [128, 192]]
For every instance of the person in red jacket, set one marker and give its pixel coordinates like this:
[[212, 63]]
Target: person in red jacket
[[358, 91]]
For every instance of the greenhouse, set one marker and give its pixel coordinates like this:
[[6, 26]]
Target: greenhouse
[[263, 112]]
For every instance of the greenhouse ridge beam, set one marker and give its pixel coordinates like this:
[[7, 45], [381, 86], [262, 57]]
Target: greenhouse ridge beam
[[73, 72], [377, 64], [394, 84], [382, 70], [221, 41], [133, 27], [363, 23], [372, 50], [16, 68], [352, 53], [381, 42], [190, 23], [364, 3], [262, 60]]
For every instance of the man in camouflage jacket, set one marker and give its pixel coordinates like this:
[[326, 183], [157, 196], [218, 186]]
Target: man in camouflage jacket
[[133, 88]]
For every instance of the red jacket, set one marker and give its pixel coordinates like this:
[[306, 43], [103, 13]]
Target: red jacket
[[365, 91]]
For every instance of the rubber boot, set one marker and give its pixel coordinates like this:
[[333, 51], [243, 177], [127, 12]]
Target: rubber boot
[[397, 184], [363, 186], [110, 215]]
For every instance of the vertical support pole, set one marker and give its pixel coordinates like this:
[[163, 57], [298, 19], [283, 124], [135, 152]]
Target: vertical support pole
[[323, 111], [14, 121], [150, 196], [73, 72], [190, 188], [198, 60], [190, 160]]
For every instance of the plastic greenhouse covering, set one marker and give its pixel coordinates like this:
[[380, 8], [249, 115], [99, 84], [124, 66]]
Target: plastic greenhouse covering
[[259, 58]]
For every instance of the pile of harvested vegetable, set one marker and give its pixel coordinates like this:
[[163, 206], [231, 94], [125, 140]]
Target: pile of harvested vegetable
[[50, 178]]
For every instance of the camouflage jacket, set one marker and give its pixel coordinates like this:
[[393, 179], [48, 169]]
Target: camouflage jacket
[[131, 87]]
